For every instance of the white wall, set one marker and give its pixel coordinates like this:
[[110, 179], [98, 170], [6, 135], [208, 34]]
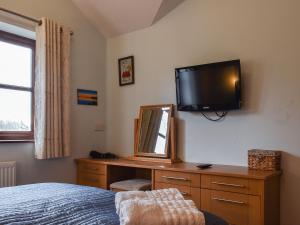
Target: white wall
[[265, 35], [88, 72]]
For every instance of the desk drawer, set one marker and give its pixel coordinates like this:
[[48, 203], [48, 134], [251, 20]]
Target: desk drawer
[[178, 178], [221, 183], [233, 184], [236, 209], [187, 192], [89, 179], [92, 168]]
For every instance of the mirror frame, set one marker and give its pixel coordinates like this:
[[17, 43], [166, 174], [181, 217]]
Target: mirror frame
[[154, 155]]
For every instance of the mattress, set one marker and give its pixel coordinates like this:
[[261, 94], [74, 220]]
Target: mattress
[[55, 203]]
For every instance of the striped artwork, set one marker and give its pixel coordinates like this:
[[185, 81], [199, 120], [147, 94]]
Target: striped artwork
[[87, 97]]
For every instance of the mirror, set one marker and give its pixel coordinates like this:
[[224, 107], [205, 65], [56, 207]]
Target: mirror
[[153, 131]]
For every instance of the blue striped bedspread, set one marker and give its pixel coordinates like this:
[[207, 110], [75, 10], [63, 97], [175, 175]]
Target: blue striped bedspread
[[54, 203]]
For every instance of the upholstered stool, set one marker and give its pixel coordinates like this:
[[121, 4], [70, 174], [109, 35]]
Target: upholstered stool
[[131, 185]]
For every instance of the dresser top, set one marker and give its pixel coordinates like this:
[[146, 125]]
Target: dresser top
[[222, 170]]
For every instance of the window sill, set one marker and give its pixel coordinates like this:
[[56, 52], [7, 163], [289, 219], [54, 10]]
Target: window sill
[[16, 141], [16, 136]]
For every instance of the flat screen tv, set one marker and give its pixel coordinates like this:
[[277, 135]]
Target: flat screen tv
[[209, 87]]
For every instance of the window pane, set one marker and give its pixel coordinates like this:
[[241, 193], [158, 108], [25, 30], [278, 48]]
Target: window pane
[[15, 65], [15, 113]]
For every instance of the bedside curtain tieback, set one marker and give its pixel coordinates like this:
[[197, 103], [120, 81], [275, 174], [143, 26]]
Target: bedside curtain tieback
[[52, 91]]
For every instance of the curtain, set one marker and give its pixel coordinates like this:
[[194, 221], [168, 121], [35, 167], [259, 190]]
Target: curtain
[[52, 91]]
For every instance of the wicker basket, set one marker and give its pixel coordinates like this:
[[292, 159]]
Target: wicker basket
[[264, 159]]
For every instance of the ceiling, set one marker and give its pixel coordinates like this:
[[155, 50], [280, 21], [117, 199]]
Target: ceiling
[[116, 17]]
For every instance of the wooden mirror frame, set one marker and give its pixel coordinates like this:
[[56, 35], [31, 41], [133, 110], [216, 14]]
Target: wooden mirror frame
[[170, 156]]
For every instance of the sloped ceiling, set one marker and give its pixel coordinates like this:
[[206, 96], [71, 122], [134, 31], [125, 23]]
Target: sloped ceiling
[[116, 17]]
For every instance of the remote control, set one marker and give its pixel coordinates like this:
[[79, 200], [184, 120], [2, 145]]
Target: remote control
[[204, 165]]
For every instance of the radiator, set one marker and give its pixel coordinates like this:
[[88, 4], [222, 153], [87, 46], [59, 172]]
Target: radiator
[[7, 174]]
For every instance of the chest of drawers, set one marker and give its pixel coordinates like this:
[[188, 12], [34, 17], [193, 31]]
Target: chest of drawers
[[91, 174], [237, 200]]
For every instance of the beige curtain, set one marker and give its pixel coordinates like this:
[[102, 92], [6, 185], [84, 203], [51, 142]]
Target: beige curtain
[[52, 90]]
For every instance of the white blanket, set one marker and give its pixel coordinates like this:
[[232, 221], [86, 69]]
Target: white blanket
[[159, 207], [162, 195]]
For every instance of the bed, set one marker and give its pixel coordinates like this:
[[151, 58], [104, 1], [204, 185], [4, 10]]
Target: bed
[[55, 203]]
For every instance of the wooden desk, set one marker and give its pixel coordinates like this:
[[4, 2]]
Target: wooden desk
[[239, 195]]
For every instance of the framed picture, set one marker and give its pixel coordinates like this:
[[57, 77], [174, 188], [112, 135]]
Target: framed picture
[[87, 97], [126, 71]]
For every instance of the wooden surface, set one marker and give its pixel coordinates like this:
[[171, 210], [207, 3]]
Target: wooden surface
[[150, 159], [91, 174], [235, 208], [232, 184], [137, 134], [221, 170], [171, 154], [95, 168], [235, 193], [173, 140], [180, 178], [18, 136], [94, 180], [271, 202]]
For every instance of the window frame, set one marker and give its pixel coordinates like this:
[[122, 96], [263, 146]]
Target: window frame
[[19, 136]]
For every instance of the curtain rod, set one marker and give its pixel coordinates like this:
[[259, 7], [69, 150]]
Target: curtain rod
[[39, 22]]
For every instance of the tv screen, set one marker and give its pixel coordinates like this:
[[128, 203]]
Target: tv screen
[[209, 87]]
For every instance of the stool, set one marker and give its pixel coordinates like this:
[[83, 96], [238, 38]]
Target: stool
[[131, 185]]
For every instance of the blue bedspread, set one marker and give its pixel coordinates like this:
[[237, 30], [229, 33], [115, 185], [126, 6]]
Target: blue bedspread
[[53, 203]]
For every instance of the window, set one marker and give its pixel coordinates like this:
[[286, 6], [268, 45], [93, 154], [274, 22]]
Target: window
[[16, 87]]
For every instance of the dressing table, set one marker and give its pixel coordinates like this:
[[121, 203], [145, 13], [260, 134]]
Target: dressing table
[[237, 194]]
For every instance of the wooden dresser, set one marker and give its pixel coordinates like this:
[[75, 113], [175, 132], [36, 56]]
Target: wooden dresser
[[236, 194]]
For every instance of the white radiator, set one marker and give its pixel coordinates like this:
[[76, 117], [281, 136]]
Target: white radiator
[[7, 174]]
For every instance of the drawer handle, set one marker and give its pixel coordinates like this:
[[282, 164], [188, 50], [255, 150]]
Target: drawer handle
[[184, 193], [175, 178], [226, 184], [229, 201]]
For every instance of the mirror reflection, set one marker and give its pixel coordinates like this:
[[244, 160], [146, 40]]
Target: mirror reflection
[[154, 130]]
